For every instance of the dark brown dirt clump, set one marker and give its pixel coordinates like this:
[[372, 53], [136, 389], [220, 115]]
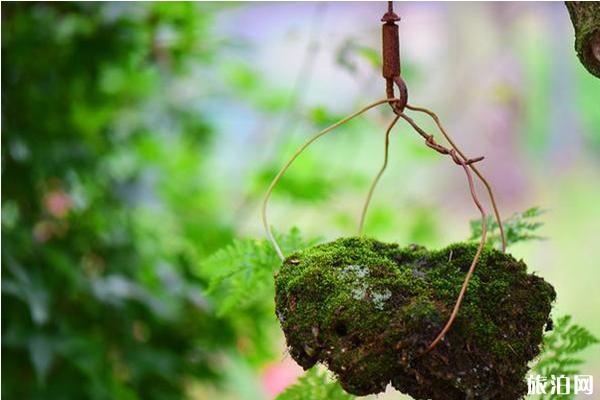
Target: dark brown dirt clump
[[368, 310]]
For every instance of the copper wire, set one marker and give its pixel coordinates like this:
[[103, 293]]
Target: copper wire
[[265, 203], [487, 185], [363, 213]]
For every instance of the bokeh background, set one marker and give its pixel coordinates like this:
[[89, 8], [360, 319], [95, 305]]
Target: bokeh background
[[138, 138]]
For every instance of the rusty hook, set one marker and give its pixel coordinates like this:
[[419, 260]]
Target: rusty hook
[[391, 59]]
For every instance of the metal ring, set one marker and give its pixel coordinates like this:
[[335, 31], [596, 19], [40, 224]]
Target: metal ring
[[402, 95]]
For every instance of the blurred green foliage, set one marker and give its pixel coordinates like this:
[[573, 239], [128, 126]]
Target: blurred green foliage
[[315, 385], [105, 207], [241, 283], [562, 346], [561, 352], [519, 227], [121, 274]]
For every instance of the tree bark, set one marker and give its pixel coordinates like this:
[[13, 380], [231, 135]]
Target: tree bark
[[585, 17]]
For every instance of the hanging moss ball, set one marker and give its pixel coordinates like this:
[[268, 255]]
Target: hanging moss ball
[[368, 310]]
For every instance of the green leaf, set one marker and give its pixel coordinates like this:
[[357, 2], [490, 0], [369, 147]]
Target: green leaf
[[29, 289], [351, 50], [371, 55], [242, 272], [41, 351], [300, 184], [559, 349], [519, 227], [315, 385]]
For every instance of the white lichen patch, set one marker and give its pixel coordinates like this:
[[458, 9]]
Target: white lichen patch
[[359, 293], [379, 298], [355, 275], [359, 288], [358, 271]]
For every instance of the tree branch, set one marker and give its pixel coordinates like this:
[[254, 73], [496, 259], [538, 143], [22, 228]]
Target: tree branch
[[585, 17]]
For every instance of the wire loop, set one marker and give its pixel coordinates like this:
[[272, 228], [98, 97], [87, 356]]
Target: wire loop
[[297, 153], [391, 73]]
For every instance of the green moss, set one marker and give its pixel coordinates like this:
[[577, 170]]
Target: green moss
[[368, 310]]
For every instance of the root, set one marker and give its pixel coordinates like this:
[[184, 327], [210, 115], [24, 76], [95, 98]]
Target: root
[[466, 164], [281, 172], [473, 167], [457, 156], [463, 289], [377, 177]]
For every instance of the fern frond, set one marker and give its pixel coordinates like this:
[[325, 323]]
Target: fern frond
[[518, 228], [242, 272], [315, 385], [559, 350]]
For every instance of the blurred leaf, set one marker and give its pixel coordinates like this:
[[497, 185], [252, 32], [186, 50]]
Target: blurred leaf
[[29, 290], [322, 117], [588, 88], [537, 73], [104, 202], [423, 228], [351, 50], [371, 55], [255, 89], [300, 183], [243, 271], [315, 385], [241, 287], [559, 349], [519, 227], [41, 351], [10, 214]]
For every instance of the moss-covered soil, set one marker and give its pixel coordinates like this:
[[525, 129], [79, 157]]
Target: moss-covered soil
[[368, 310]]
